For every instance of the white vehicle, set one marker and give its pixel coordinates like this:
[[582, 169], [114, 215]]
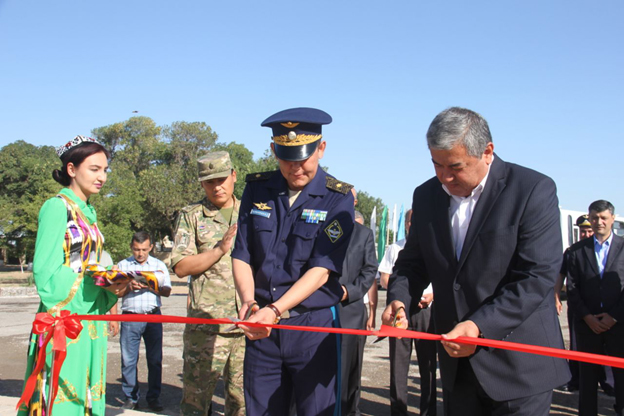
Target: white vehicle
[[570, 232]]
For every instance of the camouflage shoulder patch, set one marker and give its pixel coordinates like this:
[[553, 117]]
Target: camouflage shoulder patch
[[260, 176], [192, 207], [338, 186]]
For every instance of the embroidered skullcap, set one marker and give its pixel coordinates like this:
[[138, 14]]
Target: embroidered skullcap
[[76, 141]]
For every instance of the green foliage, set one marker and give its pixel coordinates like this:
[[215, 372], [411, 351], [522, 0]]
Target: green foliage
[[366, 204], [25, 183], [243, 162], [153, 174]]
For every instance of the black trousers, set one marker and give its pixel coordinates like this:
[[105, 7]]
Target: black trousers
[[352, 357], [610, 342], [605, 375], [400, 356], [469, 399]]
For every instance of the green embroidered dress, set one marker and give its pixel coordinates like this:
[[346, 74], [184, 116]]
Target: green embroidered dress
[[68, 239]]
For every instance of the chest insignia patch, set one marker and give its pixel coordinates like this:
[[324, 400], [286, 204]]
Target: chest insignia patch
[[262, 206], [313, 216], [334, 231], [256, 211]]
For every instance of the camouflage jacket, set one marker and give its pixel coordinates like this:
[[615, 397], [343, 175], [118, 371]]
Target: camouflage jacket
[[199, 228]]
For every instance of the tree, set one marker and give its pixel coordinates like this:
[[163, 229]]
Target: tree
[[25, 184], [153, 174], [365, 205], [244, 164]]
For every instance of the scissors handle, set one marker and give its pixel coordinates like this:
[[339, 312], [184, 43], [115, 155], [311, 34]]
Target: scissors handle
[[394, 324], [250, 310]]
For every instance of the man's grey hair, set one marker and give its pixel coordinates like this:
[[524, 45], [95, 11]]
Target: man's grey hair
[[459, 126], [359, 215]]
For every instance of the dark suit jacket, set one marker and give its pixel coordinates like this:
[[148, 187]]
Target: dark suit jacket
[[587, 292], [358, 274], [503, 280]]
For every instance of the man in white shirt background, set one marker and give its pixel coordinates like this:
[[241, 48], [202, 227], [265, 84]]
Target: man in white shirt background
[[401, 349], [139, 299]]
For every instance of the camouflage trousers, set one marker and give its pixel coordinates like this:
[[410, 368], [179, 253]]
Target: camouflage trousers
[[207, 356]]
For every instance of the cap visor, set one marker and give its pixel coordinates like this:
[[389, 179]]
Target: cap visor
[[295, 153], [223, 174]]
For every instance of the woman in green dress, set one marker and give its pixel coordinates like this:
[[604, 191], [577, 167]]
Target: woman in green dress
[[68, 240]]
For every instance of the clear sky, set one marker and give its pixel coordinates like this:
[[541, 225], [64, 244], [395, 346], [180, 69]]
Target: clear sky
[[547, 75]]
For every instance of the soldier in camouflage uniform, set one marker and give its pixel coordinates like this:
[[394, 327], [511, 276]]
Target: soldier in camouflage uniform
[[204, 235]]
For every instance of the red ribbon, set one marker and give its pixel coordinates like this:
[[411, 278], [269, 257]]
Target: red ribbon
[[69, 325], [58, 328], [385, 331]]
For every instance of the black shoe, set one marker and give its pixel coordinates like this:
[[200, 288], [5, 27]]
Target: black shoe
[[569, 388], [608, 389], [130, 405], [155, 406]]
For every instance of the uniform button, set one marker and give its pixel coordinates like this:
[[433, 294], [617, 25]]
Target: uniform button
[[279, 267], [274, 289], [307, 234], [456, 286], [283, 240]]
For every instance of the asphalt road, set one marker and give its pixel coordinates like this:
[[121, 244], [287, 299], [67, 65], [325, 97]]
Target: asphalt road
[[17, 313]]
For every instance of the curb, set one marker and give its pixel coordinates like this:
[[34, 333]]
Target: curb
[[17, 291]]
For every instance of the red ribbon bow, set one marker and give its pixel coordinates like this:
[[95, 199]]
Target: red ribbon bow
[[57, 327]]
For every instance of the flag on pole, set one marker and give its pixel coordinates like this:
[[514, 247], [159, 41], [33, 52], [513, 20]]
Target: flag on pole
[[401, 232], [381, 237], [394, 224], [373, 222]]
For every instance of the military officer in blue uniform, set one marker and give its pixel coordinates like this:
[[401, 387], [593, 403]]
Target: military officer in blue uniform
[[293, 231]]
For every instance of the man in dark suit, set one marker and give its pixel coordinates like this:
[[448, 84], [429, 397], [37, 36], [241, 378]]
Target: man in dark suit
[[358, 274], [595, 287], [488, 238]]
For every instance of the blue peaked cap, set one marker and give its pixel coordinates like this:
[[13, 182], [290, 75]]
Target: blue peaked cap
[[297, 132]]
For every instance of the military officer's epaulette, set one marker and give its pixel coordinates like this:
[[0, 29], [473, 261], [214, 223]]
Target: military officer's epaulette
[[260, 176], [338, 186]]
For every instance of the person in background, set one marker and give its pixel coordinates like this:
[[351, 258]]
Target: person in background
[[595, 287], [606, 376], [68, 240], [421, 320], [358, 275], [204, 234], [140, 299]]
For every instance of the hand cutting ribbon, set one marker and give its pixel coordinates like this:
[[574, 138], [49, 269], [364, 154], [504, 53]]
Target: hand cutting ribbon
[[69, 325], [58, 327]]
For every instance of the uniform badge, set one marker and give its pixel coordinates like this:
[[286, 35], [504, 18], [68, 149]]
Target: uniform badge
[[334, 231], [313, 216], [262, 206], [256, 211]]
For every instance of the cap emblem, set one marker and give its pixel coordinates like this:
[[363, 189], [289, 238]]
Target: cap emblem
[[292, 135], [290, 125]]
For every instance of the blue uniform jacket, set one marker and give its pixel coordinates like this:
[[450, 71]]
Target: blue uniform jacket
[[280, 246]]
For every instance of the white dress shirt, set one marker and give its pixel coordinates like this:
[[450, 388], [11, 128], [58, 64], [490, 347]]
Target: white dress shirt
[[460, 212]]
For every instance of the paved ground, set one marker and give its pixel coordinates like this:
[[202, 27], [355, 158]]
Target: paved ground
[[16, 315]]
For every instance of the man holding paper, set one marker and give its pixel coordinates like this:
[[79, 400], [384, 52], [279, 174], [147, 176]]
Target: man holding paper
[[139, 299]]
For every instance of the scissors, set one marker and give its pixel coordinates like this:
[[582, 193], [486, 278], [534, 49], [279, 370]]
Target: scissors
[[394, 324], [247, 315]]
